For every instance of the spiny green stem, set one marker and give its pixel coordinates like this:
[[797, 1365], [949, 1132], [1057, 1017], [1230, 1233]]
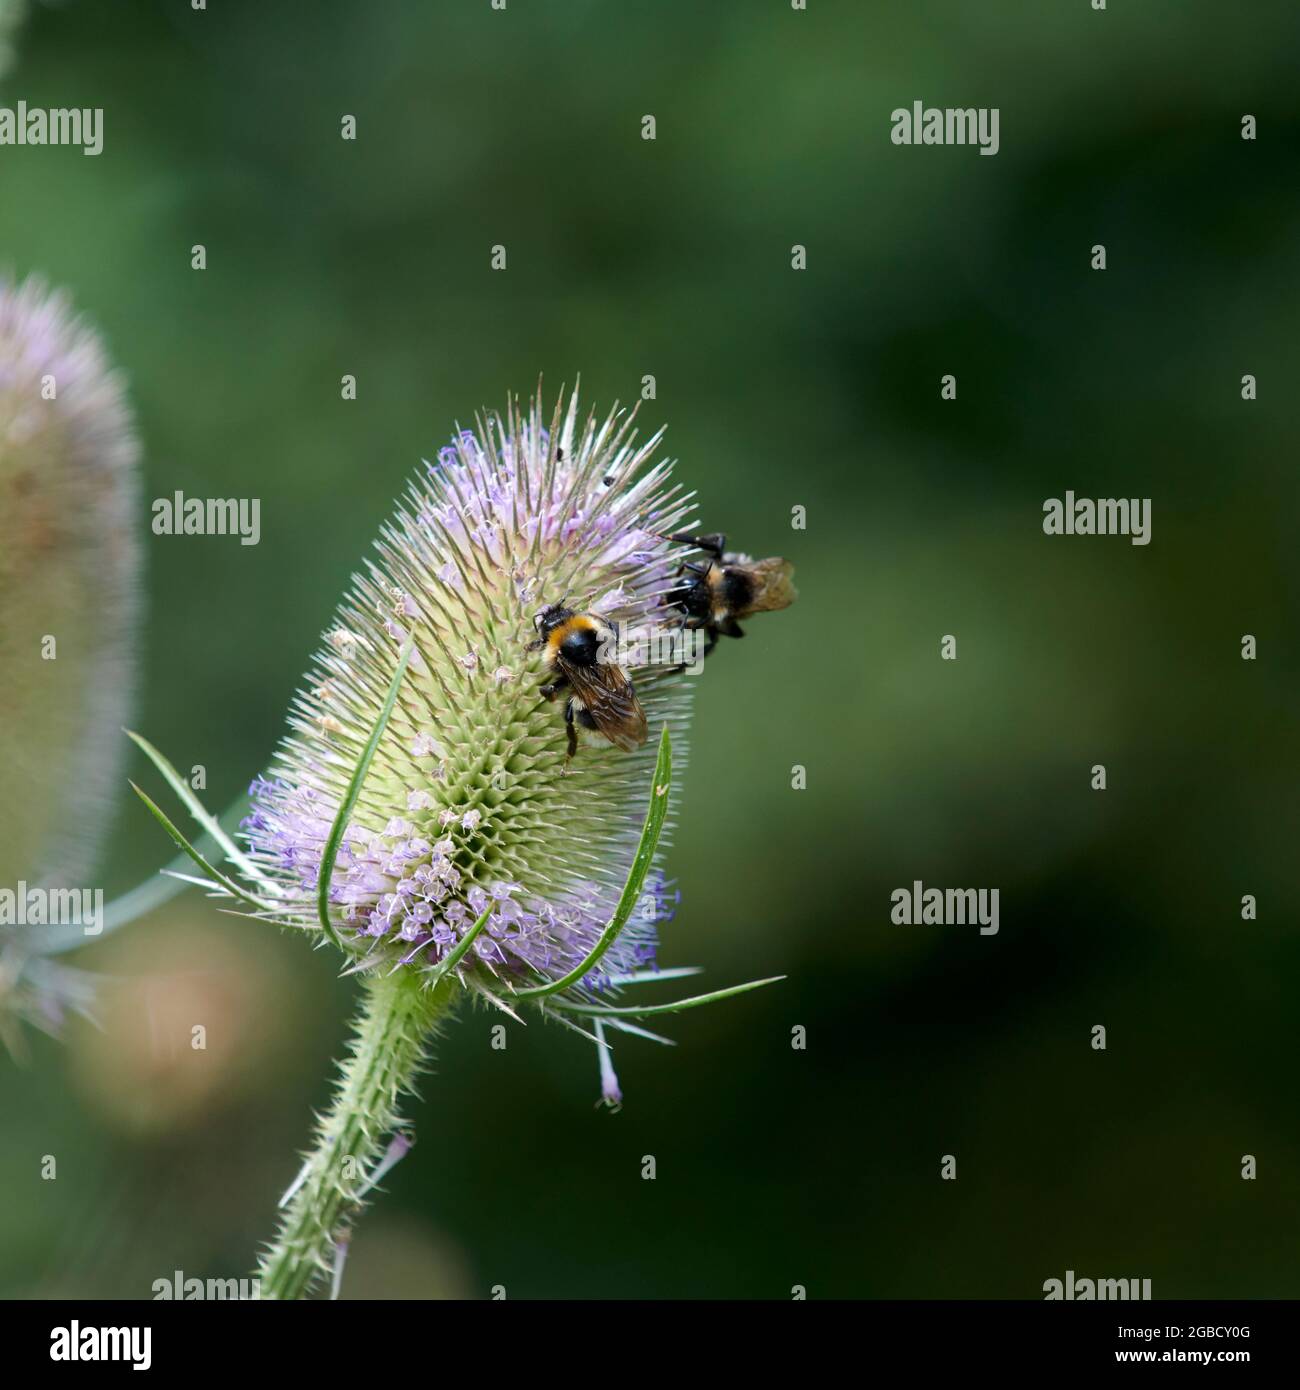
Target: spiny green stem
[[393, 1030]]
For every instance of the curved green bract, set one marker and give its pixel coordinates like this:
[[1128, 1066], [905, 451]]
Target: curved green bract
[[335, 839], [642, 1010], [651, 829], [196, 808], [453, 958], [214, 874]]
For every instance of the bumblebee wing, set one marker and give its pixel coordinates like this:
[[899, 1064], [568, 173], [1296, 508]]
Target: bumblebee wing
[[608, 696], [772, 586]]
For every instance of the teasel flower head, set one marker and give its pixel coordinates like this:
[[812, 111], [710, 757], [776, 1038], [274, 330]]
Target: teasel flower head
[[70, 560], [476, 849]]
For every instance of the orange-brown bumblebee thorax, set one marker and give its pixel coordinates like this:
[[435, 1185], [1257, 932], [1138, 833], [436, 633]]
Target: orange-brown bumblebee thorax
[[580, 622]]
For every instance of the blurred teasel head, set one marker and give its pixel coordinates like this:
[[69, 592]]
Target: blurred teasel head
[[69, 569], [70, 558], [10, 15]]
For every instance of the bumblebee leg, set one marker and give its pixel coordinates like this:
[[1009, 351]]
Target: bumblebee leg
[[570, 728], [689, 624], [714, 543], [549, 692], [711, 640], [731, 628]]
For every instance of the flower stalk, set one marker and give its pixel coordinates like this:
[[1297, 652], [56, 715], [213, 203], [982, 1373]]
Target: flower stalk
[[393, 1031]]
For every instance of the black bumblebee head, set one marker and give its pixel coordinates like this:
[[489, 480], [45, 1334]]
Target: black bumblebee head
[[552, 616]]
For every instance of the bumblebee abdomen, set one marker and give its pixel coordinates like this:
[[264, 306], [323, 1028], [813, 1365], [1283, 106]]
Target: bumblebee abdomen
[[735, 590]]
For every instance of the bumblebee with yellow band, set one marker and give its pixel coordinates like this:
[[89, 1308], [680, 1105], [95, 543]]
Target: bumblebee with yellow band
[[579, 650], [728, 587]]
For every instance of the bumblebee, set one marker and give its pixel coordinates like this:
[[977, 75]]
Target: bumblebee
[[579, 649], [728, 587]]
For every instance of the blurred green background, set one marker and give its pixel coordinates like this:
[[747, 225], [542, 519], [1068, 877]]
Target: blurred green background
[[820, 388]]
